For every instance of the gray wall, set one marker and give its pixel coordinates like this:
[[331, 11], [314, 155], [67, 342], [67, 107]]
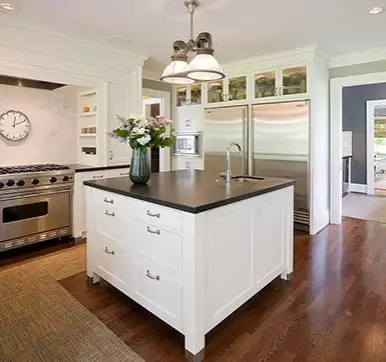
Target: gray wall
[[354, 119], [153, 84], [358, 69]]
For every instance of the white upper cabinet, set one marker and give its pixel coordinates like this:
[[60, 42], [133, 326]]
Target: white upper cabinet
[[118, 103], [188, 95]]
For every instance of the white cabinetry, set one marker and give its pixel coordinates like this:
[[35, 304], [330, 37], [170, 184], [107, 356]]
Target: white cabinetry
[[189, 119], [186, 162], [190, 270], [78, 209], [97, 111]]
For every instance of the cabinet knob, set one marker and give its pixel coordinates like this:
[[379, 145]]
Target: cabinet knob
[[151, 276], [149, 213], [111, 155]]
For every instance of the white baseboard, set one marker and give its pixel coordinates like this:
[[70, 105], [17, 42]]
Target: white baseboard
[[358, 188]]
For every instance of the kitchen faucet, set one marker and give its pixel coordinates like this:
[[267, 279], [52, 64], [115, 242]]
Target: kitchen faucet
[[228, 173]]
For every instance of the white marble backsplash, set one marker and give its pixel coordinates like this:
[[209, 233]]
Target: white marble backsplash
[[53, 125]]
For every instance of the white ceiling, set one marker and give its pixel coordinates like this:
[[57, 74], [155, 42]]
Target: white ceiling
[[240, 28]]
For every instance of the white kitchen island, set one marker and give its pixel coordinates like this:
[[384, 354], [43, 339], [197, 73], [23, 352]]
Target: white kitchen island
[[187, 248]]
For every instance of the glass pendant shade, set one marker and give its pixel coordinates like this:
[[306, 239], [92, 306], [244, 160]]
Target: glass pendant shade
[[204, 67], [170, 74]]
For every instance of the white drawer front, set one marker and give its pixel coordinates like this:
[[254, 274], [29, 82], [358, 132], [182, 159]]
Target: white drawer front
[[157, 215], [113, 264], [115, 202], [162, 245], [95, 175], [120, 172], [158, 288]]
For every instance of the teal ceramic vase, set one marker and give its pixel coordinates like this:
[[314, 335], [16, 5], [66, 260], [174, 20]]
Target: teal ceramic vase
[[140, 166]]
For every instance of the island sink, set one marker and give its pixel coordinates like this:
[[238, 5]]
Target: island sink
[[188, 249]]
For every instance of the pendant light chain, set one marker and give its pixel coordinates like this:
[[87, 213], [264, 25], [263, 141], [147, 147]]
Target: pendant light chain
[[203, 68]]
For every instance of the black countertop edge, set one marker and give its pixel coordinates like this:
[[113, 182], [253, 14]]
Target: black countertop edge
[[191, 209], [87, 168]]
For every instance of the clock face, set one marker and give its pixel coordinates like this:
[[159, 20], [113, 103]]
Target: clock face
[[14, 125]]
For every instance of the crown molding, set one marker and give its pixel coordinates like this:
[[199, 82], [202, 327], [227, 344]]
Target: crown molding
[[302, 54], [50, 43], [359, 57]]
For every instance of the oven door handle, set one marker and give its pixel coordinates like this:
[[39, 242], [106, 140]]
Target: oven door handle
[[45, 193]]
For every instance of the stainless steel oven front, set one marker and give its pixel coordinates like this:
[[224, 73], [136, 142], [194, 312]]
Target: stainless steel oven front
[[34, 216]]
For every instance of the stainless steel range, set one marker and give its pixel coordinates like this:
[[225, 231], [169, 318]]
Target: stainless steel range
[[35, 204]]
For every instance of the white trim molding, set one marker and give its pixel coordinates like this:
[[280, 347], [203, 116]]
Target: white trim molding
[[362, 189], [336, 87], [365, 56], [33, 54]]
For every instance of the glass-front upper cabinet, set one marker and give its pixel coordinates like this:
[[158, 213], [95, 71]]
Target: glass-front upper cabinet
[[216, 91], [182, 96], [294, 80], [265, 84], [237, 88], [188, 95], [195, 94]]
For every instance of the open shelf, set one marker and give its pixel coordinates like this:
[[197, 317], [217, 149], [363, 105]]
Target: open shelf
[[87, 114], [90, 92]]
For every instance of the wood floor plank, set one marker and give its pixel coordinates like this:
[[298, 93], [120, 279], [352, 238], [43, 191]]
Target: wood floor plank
[[333, 310]]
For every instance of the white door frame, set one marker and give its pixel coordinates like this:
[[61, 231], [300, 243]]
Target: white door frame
[[370, 108], [336, 87], [165, 110]]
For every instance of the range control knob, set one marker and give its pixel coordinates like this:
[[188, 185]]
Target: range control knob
[[35, 181], [20, 183], [65, 178], [53, 179], [10, 183], [1, 185]]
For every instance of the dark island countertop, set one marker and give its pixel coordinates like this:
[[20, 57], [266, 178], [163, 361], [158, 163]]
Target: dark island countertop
[[192, 191], [77, 167]]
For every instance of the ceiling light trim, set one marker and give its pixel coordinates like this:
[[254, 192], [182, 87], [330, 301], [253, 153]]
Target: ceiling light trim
[[375, 10], [9, 7]]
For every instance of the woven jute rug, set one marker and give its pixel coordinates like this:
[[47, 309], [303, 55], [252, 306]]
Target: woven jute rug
[[41, 321]]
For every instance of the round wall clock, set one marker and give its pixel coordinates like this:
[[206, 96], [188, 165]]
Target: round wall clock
[[14, 125]]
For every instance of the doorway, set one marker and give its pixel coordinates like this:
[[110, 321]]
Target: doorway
[[376, 147], [157, 102]]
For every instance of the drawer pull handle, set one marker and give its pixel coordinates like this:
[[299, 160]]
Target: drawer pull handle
[[188, 123], [97, 176], [112, 214], [153, 215], [149, 230], [106, 200], [151, 276], [124, 173], [112, 252]]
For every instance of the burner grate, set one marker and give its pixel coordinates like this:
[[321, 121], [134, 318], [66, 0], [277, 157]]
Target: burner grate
[[31, 168]]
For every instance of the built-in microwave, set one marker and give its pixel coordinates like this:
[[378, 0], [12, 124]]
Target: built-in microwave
[[188, 143]]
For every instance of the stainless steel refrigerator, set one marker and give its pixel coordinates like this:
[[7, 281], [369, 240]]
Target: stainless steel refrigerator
[[275, 142]]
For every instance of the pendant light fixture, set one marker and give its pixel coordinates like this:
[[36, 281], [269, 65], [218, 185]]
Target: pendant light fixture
[[204, 66]]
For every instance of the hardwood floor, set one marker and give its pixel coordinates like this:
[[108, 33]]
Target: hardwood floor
[[334, 309]]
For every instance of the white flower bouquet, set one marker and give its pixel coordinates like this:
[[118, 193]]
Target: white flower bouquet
[[142, 133]]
